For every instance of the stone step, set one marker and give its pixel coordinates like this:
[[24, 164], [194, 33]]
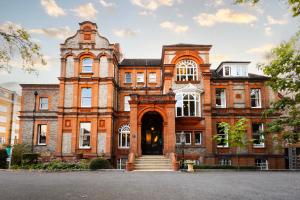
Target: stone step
[[152, 161], [152, 167]]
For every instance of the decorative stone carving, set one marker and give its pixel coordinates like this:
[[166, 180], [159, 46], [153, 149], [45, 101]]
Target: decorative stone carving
[[72, 42]]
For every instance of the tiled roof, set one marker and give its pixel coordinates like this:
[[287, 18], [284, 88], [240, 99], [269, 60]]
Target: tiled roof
[[140, 62]]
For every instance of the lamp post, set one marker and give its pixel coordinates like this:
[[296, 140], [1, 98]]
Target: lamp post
[[33, 120], [182, 149]]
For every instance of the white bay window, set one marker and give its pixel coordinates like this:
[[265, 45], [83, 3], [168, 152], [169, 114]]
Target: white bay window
[[188, 104]]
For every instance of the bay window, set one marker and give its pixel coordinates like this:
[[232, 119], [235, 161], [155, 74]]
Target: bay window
[[187, 104]]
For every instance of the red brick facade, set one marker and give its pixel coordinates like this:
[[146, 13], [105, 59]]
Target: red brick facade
[[99, 97]]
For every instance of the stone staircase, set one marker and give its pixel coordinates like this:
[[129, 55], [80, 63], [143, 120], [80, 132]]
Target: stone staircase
[[152, 163]]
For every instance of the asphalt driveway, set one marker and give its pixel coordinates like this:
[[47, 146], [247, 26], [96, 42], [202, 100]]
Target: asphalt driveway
[[149, 185]]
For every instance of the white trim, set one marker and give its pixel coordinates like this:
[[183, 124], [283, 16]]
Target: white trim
[[39, 134]]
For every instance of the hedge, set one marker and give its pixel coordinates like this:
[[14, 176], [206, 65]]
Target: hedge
[[3, 157]]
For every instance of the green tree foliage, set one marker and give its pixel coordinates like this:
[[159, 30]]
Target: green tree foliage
[[16, 44], [236, 135], [294, 4], [284, 71]]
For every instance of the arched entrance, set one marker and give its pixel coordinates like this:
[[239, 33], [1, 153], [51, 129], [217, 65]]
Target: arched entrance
[[152, 134]]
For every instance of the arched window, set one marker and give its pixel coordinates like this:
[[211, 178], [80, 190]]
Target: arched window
[[187, 70], [124, 136], [188, 104], [87, 65]]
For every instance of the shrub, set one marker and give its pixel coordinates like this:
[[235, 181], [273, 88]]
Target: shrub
[[99, 163], [30, 158], [18, 151], [3, 157]]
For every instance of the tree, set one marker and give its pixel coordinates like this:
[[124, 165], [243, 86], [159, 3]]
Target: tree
[[284, 72], [294, 4], [236, 135], [16, 43]]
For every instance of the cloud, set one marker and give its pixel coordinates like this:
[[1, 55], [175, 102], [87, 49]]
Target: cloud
[[9, 26], [57, 33], [86, 11], [106, 4], [268, 31], [262, 49], [52, 8], [154, 4], [224, 16], [125, 32], [273, 21], [174, 27], [147, 13]]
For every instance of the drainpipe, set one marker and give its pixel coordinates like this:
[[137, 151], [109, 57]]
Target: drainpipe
[[33, 120]]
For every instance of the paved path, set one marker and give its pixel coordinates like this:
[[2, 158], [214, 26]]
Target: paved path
[[150, 185]]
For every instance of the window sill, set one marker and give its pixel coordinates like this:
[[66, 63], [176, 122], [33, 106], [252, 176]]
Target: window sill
[[186, 82], [128, 83], [125, 148], [256, 107], [225, 147], [259, 147], [86, 73], [41, 145], [85, 148], [220, 106]]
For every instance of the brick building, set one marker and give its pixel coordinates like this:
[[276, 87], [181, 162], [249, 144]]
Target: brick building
[[123, 109], [10, 103]]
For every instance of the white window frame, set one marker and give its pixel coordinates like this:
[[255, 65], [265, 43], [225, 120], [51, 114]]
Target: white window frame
[[83, 67], [140, 77], [225, 162], [86, 97], [262, 164], [222, 97], [40, 133], [226, 145], [124, 130], [82, 135], [198, 132], [152, 77], [2, 140], [229, 70], [130, 76], [180, 134], [126, 103], [261, 136], [180, 104], [186, 69], [121, 163], [42, 104], [257, 99]]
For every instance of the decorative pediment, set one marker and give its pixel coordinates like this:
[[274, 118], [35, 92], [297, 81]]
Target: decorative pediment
[[188, 88]]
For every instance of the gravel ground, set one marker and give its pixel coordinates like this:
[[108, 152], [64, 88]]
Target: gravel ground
[[149, 185]]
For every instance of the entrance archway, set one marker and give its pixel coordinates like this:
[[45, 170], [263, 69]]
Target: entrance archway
[[152, 134]]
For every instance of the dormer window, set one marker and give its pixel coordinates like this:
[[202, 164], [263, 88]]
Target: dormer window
[[233, 69], [87, 65], [227, 71], [187, 70]]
